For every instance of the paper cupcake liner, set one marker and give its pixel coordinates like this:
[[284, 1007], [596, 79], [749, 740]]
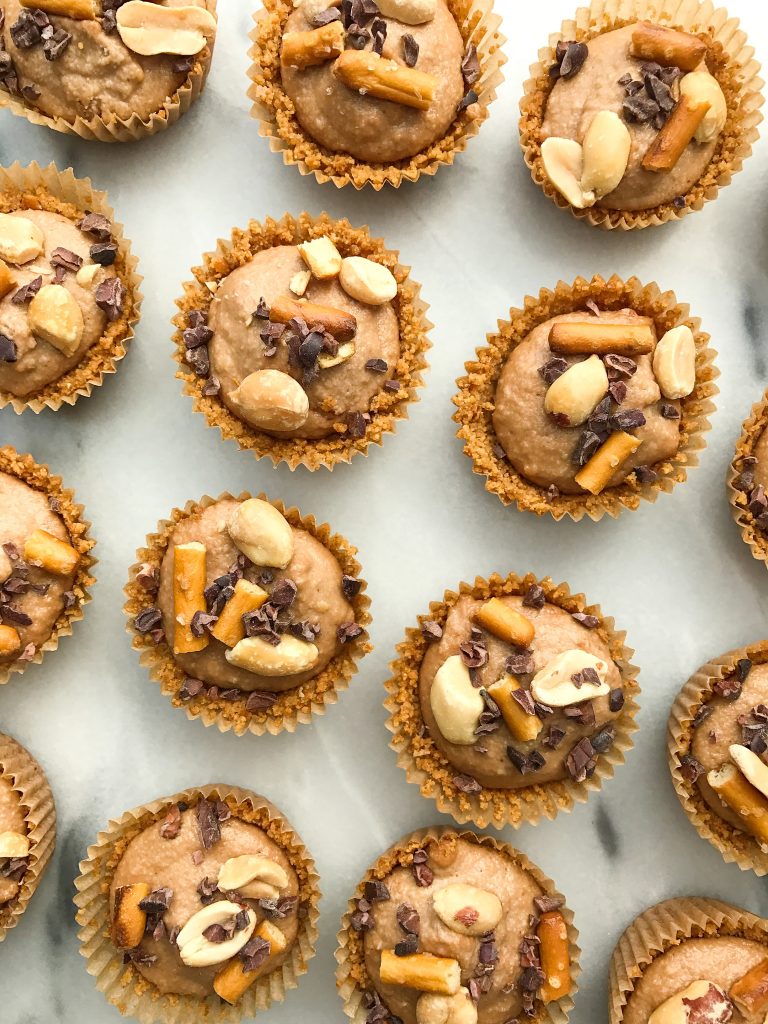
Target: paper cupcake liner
[[292, 707], [121, 984], [753, 428], [275, 112], [386, 408], [475, 400], [731, 62], [668, 924], [430, 770], [40, 478], [29, 781], [735, 847], [352, 980], [35, 187], [114, 129]]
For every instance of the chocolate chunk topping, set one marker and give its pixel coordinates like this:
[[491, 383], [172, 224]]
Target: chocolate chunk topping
[[628, 419], [408, 919], [467, 101], [27, 291], [554, 737], [616, 699], [56, 44], [569, 59], [17, 618], [158, 901], [66, 259], [377, 365], [171, 825], [357, 424], [581, 761], [669, 411], [586, 446], [534, 597], [147, 620], [348, 631], [474, 653], [376, 891], [104, 253], [690, 768], [27, 30], [728, 688], [406, 946], [208, 823], [588, 621], [546, 904], [283, 593], [410, 50], [525, 699], [431, 630], [466, 784], [110, 296], [422, 873], [191, 688], [202, 621], [603, 741], [553, 369], [646, 475], [520, 663], [97, 225], [8, 352], [254, 953], [207, 890], [350, 587], [278, 909], [378, 35], [470, 64], [325, 17]]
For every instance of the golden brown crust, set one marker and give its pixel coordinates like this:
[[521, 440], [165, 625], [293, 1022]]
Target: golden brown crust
[[352, 979], [28, 779], [122, 985], [477, 391], [387, 407], [46, 189], [115, 130], [669, 924], [729, 60], [40, 478], [753, 428], [277, 116], [426, 766], [734, 845], [291, 707]]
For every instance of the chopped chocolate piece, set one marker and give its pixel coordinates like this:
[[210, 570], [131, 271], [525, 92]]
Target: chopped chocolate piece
[[13, 615], [466, 784], [392, 385], [304, 630], [422, 873], [140, 957], [586, 675], [191, 688], [325, 17], [208, 823], [498, 451], [411, 51], [147, 620], [691, 769], [487, 954], [377, 365], [553, 369], [211, 387], [104, 253], [646, 475], [284, 593], [474, 653], [8, 351], [56, 44], [357, 424], [525, 699], [110, 296], [431, 630], [587, 445], [348, 631], [536, 760], [158, 901], [376, 891], [241, 920], [669, 411], [743, 668], [26, 32], [534, 597], [616, 699], [350, 587], [66, 259], [627, 419], [97, 225], [408, 919], [520, 663], [702, 715], [207, 890], [199, 360], [553, 492], [728, 688], [467, 101], [518, 759], [581, 761], [182, 65], [357, 37], [554, 737], [202, 621], [603, 741], [27, 292], [470, 64], [546, 904], [569, 59], [378, 35], [640, 108], [407, 946], [618, 390], [254, 954], [171, 825], [588, 621], [278, 909]]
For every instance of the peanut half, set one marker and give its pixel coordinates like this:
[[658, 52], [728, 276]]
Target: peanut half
[[262, 533], [308, 49], [458, 1009], [197, 951], [326, 361], [290, 656], [322, 257], [13, 844], [367, 281], [271, 400], [606, 154], [555, 687], [422, 971], [675, 1009], [372, 75], [563, 161], [150, 29], [575, 394], [456, 703], [55, 316], [674, 363], [410, 12], [238, 873], [21, 240], [466, 909], [701, 87]]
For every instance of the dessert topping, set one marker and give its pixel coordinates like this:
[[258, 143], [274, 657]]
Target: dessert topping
[[10, 641], [467, 909], [571, 337], [367, 281], [289, 656], [248, 597], [674, 362], [21, 240], [751, 766], [410, 12], [575, 394], [252, 876], [606, 461], [308, 49], [563, 161], [55, 556], [81, 9], [7, 280], [741, 796], [322, 257], [456, 704], [385, 79], [300, 282], [189, 562], [702, 1002], [150, 29], [606, 146], [668, 146], [555, 957], [13, 845], [253, 960], [519, 713], [128, 919], [271, 400], [701, 87], [505, 622], [262, 533], [569, 59], [571, 677], [422, 971], [338, 322], [750, 993], [667, 46], [212, 935], [55, 316], [436, 1009]]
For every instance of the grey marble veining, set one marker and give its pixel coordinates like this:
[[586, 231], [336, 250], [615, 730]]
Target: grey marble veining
[[675, 575]]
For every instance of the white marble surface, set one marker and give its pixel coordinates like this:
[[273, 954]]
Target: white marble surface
[[676, 574]]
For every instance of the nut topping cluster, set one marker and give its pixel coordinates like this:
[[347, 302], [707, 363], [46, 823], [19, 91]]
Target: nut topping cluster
[[675, 93]]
